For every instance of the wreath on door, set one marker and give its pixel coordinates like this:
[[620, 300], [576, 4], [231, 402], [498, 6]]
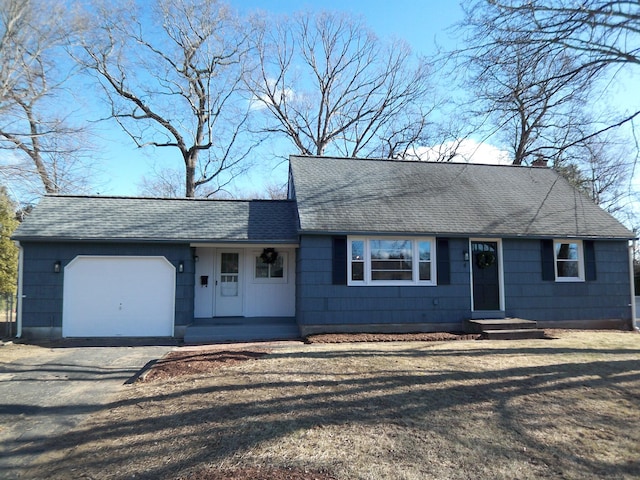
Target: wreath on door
[[485, 259], [269, 256]]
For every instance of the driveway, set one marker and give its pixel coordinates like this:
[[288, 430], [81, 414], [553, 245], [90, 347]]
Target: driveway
[[47, 391]]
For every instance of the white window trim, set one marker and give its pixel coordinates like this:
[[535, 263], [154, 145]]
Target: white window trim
[[255, 254], [415, 242], [580, 260]]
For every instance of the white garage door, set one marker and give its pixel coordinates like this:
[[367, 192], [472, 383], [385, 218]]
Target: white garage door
[[114, 296]]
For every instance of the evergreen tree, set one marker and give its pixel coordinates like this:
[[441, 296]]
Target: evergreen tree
[[8, 250]]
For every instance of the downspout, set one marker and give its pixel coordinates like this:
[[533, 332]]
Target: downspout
[[632, 247], [19, 299]]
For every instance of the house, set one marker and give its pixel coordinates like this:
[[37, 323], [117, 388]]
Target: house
[[359, 246]]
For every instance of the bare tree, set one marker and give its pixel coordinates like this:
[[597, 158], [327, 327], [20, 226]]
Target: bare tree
[[329, 85], [535, 90], [533, 99], [47, 150], [171, 71], [601, 36]]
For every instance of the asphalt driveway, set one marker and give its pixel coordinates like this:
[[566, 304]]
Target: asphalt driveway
[[46, 391]]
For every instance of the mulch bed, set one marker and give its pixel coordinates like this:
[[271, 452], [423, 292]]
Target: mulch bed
[[191, 362], [386, 337]]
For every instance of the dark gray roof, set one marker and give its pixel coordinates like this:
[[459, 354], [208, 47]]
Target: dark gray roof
[[368, 196], [160, 220]]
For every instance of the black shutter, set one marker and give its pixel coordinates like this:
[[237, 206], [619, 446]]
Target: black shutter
[[339, 264], [443, 263], [589, 261], [548, 269]]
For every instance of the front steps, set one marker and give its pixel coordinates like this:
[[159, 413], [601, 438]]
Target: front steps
[[505, 328]]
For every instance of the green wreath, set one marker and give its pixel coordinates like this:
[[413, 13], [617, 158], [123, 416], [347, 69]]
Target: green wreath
[[269, 256], [485, 259]]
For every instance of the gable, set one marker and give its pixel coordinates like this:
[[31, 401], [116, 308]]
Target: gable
[[336, 195]]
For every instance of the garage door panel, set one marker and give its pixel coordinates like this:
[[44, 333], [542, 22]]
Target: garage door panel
[[118, 296]]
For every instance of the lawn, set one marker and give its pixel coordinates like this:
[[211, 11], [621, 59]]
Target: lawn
[[563, 408]]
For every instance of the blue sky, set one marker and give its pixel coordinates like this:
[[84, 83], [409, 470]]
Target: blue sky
[[419, 22]]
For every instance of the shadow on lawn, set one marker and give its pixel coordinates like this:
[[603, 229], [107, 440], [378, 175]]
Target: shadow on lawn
[[232, 416]]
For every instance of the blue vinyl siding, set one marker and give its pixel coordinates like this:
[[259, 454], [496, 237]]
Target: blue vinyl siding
[[527, 295], [319, 302], [42, 288], [605, 298]]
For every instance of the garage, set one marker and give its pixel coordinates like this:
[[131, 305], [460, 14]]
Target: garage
[[118, 296]]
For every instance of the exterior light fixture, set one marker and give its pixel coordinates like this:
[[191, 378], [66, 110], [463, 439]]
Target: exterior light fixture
[[180, 266], [57, 266], [465, 255]]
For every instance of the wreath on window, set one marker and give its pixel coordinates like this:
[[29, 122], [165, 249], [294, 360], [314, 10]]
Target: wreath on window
[[485, 259], [269, 256]]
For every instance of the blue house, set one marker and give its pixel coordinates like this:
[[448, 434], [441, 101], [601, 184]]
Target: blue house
[[358, 246]]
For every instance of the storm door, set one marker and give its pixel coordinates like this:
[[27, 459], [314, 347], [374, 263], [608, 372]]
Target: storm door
[[486, 275], [228, 284]]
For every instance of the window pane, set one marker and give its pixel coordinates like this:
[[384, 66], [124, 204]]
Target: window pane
[[425, 251], [277, 269], [229, 262], [391, 275], [357, 250], [391, 249], [357, 271], [262, 270], [425, 270], [568, 251], [568, 269]]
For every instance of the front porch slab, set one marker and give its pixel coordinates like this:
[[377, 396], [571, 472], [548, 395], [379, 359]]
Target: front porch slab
[[241, 329]]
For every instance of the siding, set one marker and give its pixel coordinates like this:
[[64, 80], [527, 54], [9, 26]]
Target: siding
[[320, 303], [527, 296], [42, 288], [322, 306]]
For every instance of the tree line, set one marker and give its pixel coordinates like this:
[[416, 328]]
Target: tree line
[[211, 85]]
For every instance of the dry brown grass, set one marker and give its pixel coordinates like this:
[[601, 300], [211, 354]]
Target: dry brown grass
[[564, 408]]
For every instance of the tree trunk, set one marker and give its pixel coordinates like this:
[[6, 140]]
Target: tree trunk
[[190, 184]]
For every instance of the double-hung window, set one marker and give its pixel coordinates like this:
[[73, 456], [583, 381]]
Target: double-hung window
[[569, 260], [391, 261]]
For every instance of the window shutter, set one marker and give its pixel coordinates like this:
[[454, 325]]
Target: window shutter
[[589, 261], [443, 262], [548, 269], [339, 264]]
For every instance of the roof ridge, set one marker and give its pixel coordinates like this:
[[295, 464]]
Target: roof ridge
[[418, 161], [188, 199]]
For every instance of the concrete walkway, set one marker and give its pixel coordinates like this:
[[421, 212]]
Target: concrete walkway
[[46, 392]]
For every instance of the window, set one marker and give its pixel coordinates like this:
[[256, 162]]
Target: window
[[569, 260], [270, 271], [391, 261]]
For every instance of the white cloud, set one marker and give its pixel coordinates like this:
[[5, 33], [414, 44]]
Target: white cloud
[[260, 102], [467, 151]]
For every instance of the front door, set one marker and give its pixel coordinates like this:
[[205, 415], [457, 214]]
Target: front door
[[486, 276], [228, 284]]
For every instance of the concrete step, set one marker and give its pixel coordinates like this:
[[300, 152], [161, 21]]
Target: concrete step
[[480, 325], [513, 334], [239, 333]]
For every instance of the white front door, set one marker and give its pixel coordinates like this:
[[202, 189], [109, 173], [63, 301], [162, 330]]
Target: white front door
[[228, 289]]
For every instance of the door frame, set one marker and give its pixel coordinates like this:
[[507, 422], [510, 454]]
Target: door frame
[[218, 281], [499, 259]]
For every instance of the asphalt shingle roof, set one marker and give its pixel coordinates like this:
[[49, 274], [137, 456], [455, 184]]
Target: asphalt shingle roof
[[160, 220], [382, 196]]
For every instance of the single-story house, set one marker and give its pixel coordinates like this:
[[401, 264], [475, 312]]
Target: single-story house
[[360, 245]]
